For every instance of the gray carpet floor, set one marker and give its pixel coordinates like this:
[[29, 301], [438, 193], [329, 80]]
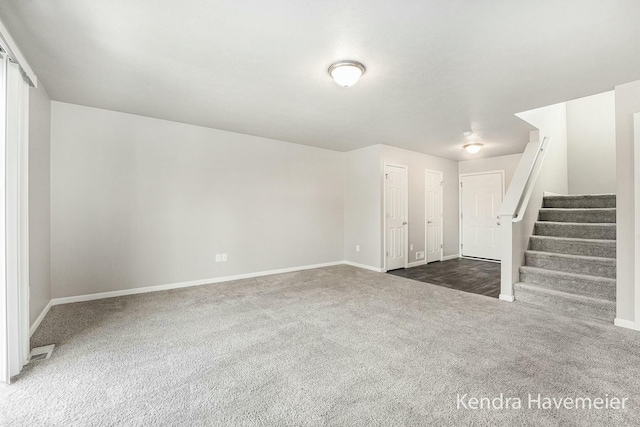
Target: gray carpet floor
[[332, 346]]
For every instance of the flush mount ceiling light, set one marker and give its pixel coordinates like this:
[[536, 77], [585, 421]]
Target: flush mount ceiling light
[[346, 73], [473, 148]]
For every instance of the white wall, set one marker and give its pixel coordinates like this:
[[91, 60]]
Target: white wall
[[39, 201], [591, 144], [362, 201], [137, 201], [553, 177], [636, 148], [506, 163], [627, 103], [417, 163]]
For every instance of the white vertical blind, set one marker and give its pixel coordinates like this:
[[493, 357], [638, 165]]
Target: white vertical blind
[[14, 215], [5, 369]]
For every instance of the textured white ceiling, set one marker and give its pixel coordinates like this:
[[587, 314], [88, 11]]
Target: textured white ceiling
[[434, 68]]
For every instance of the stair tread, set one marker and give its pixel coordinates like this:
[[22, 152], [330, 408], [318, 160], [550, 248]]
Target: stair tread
[[557, 273], [605, 242], [608, 224], [572, 283], [579, 230], [581, 196], [571, 256], [560, 294], [578, 201], [579, 209], [559, 277]]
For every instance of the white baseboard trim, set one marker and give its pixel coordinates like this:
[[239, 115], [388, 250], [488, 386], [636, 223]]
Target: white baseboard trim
[[416, 263], [37, 322], [147, 289], [509, 298], [625, 323], [366, 267], [448, 257]]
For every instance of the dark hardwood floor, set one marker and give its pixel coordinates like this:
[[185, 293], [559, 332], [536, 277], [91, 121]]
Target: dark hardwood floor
[[468, 275]]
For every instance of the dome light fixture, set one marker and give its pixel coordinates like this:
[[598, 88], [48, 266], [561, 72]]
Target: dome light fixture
[[346, 73], [473, 148]]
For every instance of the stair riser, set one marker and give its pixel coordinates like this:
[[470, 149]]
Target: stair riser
[[583, 286], [604, 310], [582, 231], [586, 216], [573, 248], [587, 202], [577, 266]]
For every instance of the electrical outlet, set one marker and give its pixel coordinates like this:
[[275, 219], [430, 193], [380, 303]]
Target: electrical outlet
[[218, 258], [224, 257], [410, 247], [420, 255], [357, 248]]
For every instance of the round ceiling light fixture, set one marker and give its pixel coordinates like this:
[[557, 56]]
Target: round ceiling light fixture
[[473, 148], [346, 73]]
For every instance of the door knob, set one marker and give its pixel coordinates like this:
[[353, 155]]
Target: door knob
[[428, 222], [498, 222], [404, 222]]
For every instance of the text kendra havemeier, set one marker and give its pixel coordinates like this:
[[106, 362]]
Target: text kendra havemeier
[[538, 401]]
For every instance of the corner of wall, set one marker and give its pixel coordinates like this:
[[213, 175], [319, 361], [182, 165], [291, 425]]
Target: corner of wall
[[627, 102], [362, 206], [39, 204]]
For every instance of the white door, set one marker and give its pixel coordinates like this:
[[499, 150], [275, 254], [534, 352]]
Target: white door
[[481, 196], [433, 213], [395, 208]]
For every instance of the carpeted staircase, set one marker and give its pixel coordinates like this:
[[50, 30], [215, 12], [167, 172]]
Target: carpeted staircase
[[570, 266]]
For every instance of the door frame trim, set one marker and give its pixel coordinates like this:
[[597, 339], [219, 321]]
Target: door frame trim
[[502, 173], [384, 215], [426, 231]]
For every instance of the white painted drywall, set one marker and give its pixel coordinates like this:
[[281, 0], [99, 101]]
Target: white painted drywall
[[260, 67], [364, 191], [417, 163], [553, 176], [362, 201], [137, 202], [636, 148], [39, 201], [627, 104], [506, 163], [591, 144]]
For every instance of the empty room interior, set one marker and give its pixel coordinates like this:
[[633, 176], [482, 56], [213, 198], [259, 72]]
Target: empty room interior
[[303, 213]]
